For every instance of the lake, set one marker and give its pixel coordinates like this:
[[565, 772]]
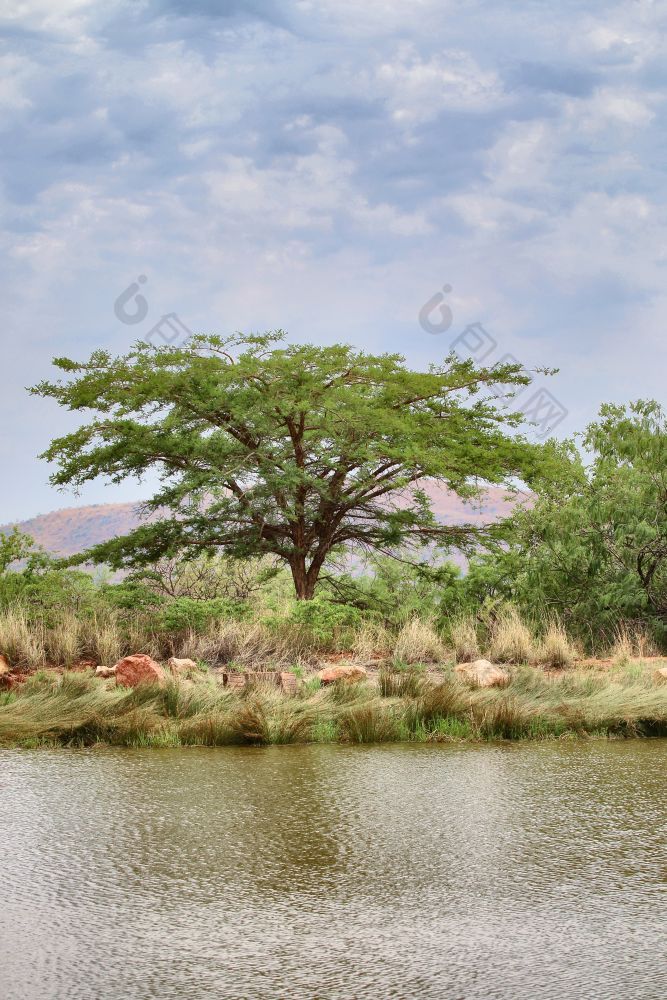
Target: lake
[[520, 871]]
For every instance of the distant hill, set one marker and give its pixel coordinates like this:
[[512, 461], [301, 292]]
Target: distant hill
[[74, 529]]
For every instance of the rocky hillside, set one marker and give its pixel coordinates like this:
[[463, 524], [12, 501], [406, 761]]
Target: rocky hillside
[[73, 529]]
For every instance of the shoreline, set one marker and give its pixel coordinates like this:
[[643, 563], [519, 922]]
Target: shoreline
[[76, 709]]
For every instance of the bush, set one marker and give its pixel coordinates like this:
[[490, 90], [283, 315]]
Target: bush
[[185, 614], [327, 622]]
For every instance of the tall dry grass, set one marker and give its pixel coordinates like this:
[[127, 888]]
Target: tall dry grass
[[555, 648], [247, 644], [372, 639], [511, 641], [464, 639], [22, 642], [631, 642], [418, 642]]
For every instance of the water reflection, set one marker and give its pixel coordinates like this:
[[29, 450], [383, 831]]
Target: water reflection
[[331, 872]]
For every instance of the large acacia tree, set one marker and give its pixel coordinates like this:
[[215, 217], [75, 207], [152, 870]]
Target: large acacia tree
[[288, 450]]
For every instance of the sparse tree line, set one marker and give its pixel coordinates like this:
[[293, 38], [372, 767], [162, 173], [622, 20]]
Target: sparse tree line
[[281, 463]]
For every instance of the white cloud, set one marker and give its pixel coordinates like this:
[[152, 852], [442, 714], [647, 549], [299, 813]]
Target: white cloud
[[609, 107], [417, 89], [294, 172], [15, 74]]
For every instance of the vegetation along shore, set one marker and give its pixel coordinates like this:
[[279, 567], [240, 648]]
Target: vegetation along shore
[[290, 580], [141, 703]]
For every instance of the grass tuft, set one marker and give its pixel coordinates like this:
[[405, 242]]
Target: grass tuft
[[418, 642], [511, 640], [555, 650], [463, 634]]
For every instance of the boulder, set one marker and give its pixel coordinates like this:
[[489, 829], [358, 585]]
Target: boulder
[[102, 671], [138, 669], [483, 673], [349, 673], [180, 666], [660, 675], [5, 666]]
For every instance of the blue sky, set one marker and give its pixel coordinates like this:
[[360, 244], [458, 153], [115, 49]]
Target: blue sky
[[327, 167]]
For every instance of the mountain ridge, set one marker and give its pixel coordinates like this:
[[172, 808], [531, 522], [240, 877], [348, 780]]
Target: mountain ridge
[[70, 530]]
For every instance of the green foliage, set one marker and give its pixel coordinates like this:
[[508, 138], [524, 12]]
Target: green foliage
[[14, 546], [131, 595], [592, 548], [20, 564], [326, 621], [395, 587], [186, 614], [289, 451]]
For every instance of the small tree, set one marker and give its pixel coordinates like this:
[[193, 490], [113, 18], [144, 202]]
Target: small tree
[[592, 547], [290, 451], [15, 547]]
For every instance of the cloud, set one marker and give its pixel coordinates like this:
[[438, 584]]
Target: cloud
[[326, 167], [417, 89]]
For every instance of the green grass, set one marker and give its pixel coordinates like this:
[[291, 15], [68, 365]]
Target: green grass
[[77, 709]]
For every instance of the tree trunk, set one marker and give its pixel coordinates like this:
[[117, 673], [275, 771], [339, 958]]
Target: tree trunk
[[304, 584]]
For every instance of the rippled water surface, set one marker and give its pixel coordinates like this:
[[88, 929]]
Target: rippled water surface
[[329, 872]]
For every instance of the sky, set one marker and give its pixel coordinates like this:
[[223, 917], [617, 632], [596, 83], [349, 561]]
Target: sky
[[407, 177]]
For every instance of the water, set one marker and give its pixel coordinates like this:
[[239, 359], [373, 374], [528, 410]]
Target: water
[[329, 872]]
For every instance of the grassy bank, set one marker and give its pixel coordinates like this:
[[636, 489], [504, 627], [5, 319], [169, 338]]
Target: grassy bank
[[296, 634], [77, 709]]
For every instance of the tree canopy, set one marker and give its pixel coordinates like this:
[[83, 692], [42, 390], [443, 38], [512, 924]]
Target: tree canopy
[[592, 547], [289, 450]]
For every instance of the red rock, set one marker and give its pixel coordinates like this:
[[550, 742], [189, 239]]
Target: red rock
[[138, 669], [350, 673]]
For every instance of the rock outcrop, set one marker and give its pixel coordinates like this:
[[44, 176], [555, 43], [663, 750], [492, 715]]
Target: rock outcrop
[[138, 669], [483, 673]]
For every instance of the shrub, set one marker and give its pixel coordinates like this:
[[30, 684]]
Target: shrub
[[185, 614], [328, 623]]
